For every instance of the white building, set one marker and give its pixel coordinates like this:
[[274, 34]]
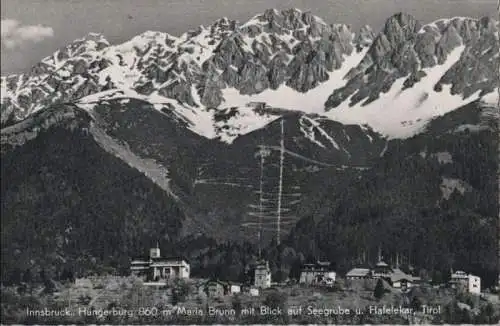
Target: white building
[[319, 273], [156, 268], [467, 282], [262, 275], [234, 289], [474, 284]]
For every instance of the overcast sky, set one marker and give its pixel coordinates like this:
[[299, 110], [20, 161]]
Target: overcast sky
[[33, 29]]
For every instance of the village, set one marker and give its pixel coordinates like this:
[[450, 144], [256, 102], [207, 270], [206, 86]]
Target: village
[[161, 289], [157, 271]]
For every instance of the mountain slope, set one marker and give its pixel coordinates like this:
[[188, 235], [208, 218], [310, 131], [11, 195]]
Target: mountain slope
[[288, 59], [432, 198], [388, 136], [414, 73], [50, 214], [349, 196]]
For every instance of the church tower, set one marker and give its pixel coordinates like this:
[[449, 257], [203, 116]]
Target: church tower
[[154, 252]]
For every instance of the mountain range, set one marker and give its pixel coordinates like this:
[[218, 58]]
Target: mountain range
[[107, 148]]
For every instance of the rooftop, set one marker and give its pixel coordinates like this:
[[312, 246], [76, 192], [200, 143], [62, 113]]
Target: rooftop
[[399, 275], [356, 272], [147, 260], [382, 264], [319, 265]]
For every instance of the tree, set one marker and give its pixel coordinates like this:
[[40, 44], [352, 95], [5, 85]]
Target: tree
[[236, 304], [379, 290], [276, 299], [28, 276], [295, 269], [179, 292], [280, 276], [279, 300], [488, 315], [437, 277], [14, 276], [67, 274], [416, 303]]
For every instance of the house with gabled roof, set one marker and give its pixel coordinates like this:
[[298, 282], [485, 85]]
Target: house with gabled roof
[[358, 274], [401, 280]]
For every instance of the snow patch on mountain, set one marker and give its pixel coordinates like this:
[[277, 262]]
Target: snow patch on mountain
[[492, 98], [226, 125], [402, 113], [238, 121], [312, 101], [199, 48], [309, 127], [199, 120]]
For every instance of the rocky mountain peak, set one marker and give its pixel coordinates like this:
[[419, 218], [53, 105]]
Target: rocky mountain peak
[[90, 42], [364, 37], [96, 37], [225, 63], [292, 20], [400, 28], [154, 36], [224, 24], [405, 50]]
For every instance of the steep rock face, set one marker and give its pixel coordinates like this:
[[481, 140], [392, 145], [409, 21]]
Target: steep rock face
[[365, 37], [274, 48], [478, 67], [390, 56], [66, 75], [290, 47], [226, 65], [406, 49], [272, 21]]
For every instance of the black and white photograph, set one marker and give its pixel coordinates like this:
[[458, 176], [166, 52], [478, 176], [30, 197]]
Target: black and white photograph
[[237, 162]]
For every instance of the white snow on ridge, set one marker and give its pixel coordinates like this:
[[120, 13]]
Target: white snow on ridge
[[200, 46], [199, 120], [121, 76], [312, 101], [492, 98], [245, 121], [402, 114], [396, 114]]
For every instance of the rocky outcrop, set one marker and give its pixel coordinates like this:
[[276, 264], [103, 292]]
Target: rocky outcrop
[[404, 49], [275, 48], [364, 37], [477, 70]]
